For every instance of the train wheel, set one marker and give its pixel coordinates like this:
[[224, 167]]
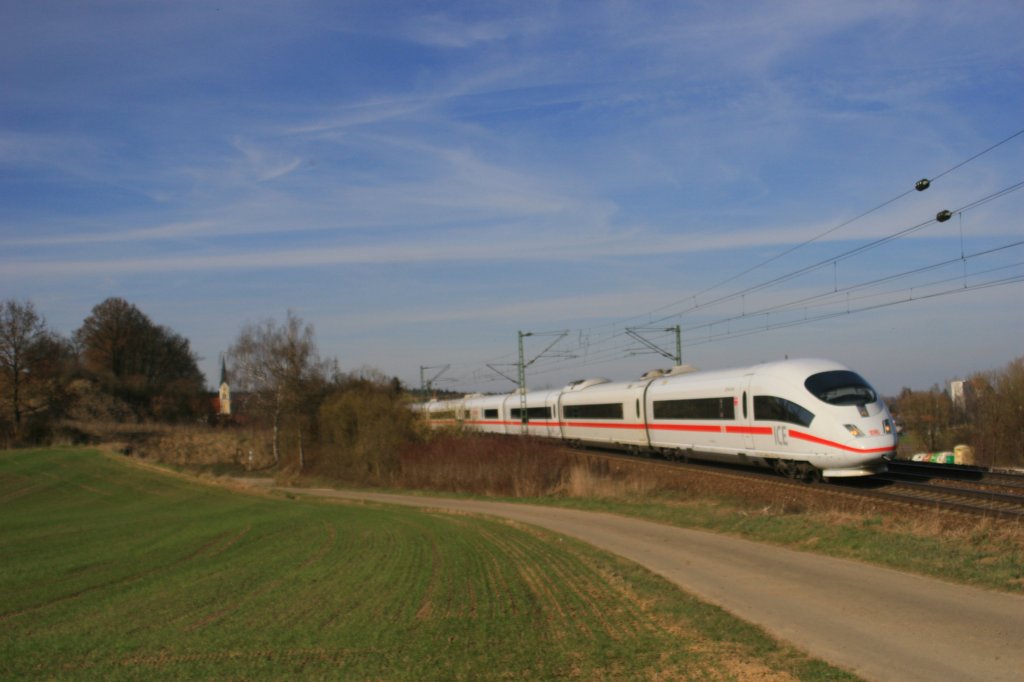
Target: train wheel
[[807, 473], [785, 468]]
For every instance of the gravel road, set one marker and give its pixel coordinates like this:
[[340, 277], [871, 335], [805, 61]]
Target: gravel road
[[878, 623]]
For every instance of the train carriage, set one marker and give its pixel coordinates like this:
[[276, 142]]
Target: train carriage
[[597, 411], [700, 414], [485, 413], [805, 418], [541, 417], [442, 413]]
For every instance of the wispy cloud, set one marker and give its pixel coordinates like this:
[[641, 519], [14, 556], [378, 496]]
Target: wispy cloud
[[159, 233], [583, 147]]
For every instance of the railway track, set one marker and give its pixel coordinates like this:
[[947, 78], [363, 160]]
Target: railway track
[[970, 490], [937, 473]]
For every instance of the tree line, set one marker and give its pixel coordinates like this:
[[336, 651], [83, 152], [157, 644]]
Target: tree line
[[989, 418], [121, 367]]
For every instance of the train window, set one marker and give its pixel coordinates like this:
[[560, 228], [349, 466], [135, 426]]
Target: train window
[[491, 413], [771, 408], [600, 411], [841, 387], [533, 413], [443, 414], [695, 408]]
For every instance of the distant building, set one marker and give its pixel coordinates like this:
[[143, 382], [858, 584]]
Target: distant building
[[958, 394], [224, 398]]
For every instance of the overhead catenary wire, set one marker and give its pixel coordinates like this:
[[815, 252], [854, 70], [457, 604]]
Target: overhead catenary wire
[[843, 224], [798, 303], [615, 344], [908, 295], [847, 254]]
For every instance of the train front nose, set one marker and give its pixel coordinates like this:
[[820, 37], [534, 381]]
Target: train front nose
[[870, 432]]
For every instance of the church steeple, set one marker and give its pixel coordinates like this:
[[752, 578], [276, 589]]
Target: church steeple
[[225, 389]]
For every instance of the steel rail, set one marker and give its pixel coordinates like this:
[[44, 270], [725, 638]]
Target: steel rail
[[946, 498]]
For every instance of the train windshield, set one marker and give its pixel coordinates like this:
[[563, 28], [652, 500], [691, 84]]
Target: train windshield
[[841, 387]]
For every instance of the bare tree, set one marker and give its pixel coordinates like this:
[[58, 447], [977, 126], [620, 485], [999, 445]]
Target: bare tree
[[278, 368], [21, 332], [996, 408], [33, 360], [928, 415]]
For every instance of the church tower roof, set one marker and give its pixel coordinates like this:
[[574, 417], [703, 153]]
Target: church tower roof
[[223, 371]]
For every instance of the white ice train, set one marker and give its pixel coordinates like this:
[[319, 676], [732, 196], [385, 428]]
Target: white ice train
[[806, 418]]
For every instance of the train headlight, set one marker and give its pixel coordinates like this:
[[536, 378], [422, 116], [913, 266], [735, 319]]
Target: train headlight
[[887, 425], [854, 431]]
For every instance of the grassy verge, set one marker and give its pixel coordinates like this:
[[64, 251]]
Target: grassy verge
[[984, 553], [109, 571], [957, 547]]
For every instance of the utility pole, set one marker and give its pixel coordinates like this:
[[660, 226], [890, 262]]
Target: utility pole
[[523, 421], [427, 385], [523, 364], [679, 346]]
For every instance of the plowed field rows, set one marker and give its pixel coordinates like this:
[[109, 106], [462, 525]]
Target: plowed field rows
[[110, 571]]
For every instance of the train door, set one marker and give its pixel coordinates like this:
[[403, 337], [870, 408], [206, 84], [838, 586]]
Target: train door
[[770, 436], [505, 414], [560, 416], [746, 413], [554, 428]]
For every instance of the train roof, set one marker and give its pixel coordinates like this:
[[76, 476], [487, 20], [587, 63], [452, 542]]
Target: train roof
[[797, 369]]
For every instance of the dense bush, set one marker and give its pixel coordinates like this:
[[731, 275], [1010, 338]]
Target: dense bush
[[147, 366], [362, 427]]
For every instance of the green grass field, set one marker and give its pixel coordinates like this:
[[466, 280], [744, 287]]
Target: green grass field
[[111, 571]]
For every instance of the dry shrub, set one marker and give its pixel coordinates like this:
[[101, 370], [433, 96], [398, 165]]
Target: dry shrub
[[197, 446], [89, 403], [587, 480], [484, 465], [495, 465]]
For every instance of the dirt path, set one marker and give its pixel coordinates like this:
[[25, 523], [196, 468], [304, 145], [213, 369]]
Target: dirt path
[[879, 623]]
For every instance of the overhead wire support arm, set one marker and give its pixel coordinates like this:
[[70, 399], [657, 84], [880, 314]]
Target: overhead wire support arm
[[493, 368], [635, 333]]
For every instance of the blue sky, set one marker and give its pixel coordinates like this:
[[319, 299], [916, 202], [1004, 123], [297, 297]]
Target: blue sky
[[421, 180]]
